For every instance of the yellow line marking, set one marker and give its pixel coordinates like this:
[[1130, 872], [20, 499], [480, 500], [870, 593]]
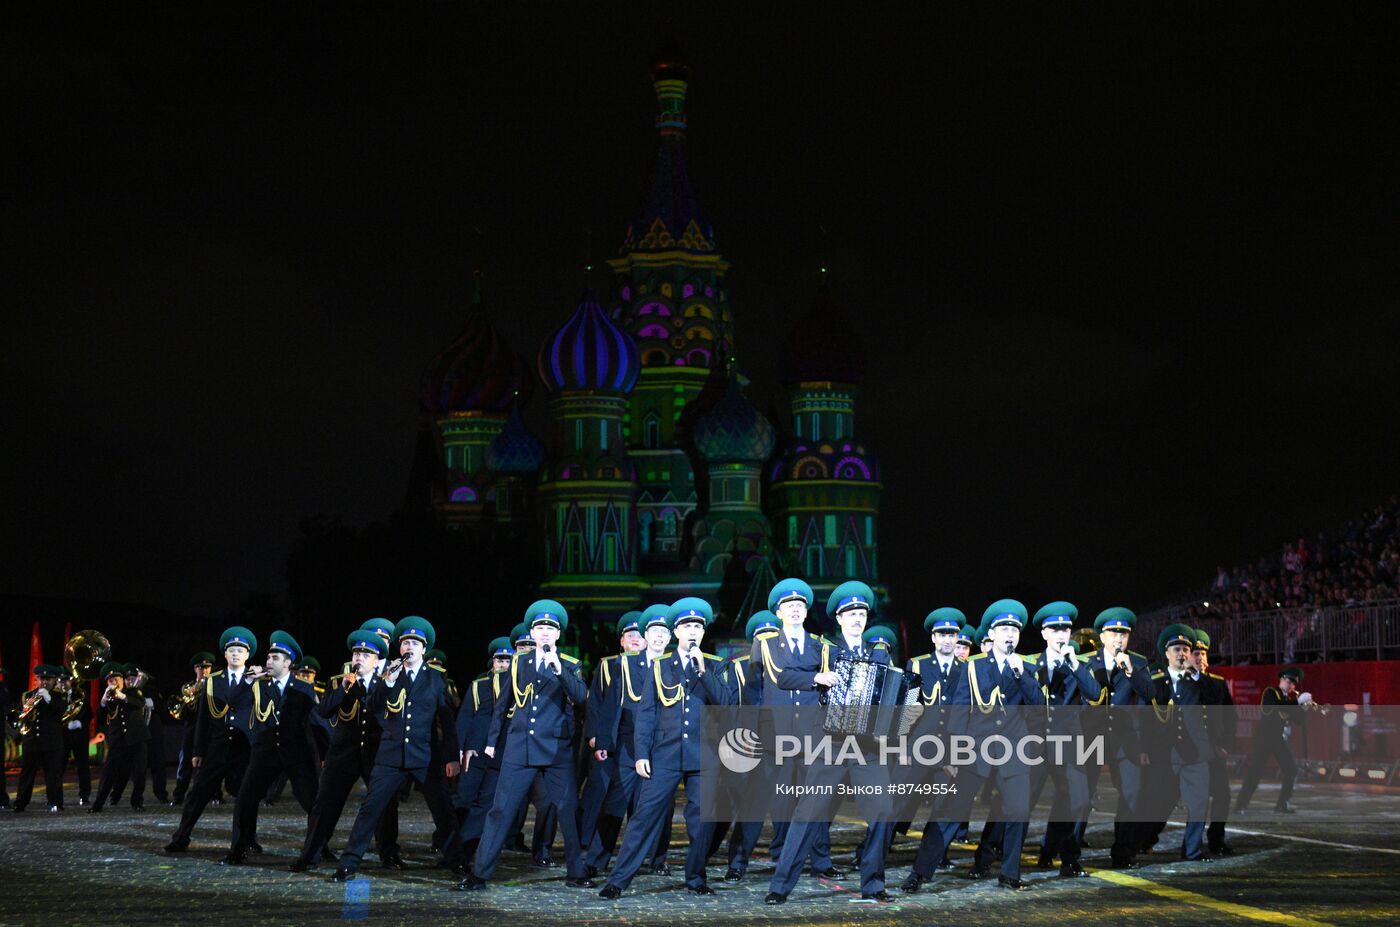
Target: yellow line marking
[[1185, 897]]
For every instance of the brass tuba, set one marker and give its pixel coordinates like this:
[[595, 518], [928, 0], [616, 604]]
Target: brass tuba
[[83, 657]]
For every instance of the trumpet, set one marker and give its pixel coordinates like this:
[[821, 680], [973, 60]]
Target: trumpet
[[185, 701]]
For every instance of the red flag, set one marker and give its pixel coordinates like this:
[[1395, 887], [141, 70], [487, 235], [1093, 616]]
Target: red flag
[[36, 656]]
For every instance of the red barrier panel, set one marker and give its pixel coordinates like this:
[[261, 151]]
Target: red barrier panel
[[1339, 733], [1368, 682]]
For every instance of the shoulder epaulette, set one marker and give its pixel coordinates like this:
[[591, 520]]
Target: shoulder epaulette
[[1089, 656], [710, 656], [1134, 653], [1214, 676], [611, 656], [1158, 675], [977, 656], [765, 635], [565, 656], [742, 657], [665, 656]]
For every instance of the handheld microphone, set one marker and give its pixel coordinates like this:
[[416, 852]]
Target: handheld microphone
[[547, 649]]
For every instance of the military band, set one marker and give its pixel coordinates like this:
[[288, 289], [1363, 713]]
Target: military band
[[513, 736]]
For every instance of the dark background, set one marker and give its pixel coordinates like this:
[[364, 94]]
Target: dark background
[[1126, 281]]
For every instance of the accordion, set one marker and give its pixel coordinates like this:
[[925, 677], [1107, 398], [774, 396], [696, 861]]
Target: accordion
[[871, 699]]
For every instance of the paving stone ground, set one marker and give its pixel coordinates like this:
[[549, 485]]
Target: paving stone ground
[[80, 868]]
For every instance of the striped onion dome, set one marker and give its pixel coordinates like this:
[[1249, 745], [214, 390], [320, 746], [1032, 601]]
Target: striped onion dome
[[589, 352], [478, 371]]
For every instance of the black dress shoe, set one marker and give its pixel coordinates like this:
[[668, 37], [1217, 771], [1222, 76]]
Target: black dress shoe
[[233, 859], [545, 863], [590, 871], [774, 898], [733, 875], [580, 883], [1015, 885], [82, 800], [660, 869], [343, 875], [880, 896], [140, 807], [911, 884], [701, 889], [1046, 861], [55, 809], [830, 872], [393, 861], [1223, 850], [300, 865], [255, 848], [472, 883], [610, 892], [1203, 858], [977, 872], [1072, 871], [1125, 864], [177, 846], [95, 809]]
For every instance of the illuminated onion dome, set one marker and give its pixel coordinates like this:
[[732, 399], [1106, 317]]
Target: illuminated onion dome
[[826, 460], [823, 347], [477, 372], [589, 352], [515, 449], [734, 430]]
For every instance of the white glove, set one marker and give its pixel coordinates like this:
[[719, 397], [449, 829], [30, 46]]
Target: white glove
[[1305, 698], [75, 725]]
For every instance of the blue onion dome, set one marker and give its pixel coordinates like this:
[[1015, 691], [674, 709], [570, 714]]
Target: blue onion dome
[[589, 352], [478, 371], [733, 430], [826, 460], [515, 449], [823, 347]]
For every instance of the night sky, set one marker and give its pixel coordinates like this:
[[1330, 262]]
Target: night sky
[[1126, 287]]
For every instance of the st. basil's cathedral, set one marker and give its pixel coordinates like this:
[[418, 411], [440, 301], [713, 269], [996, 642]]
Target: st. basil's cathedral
[[660, 478]]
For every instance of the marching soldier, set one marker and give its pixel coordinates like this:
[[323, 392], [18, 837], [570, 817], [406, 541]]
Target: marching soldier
[[221, 746], [406, 748], [543, 690], [746, 689], [279, 742], [602, 766], [616, 715], [995, 682], [790, 599], [1178, 740], [1069, 686], [803, 671], [185, 710], [355, 736], [1281, 714], [1215, 693], [480, 773], [41, 739], [75, 738], [940, 673], [124, 713], [1125, 681], [667, 745]]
